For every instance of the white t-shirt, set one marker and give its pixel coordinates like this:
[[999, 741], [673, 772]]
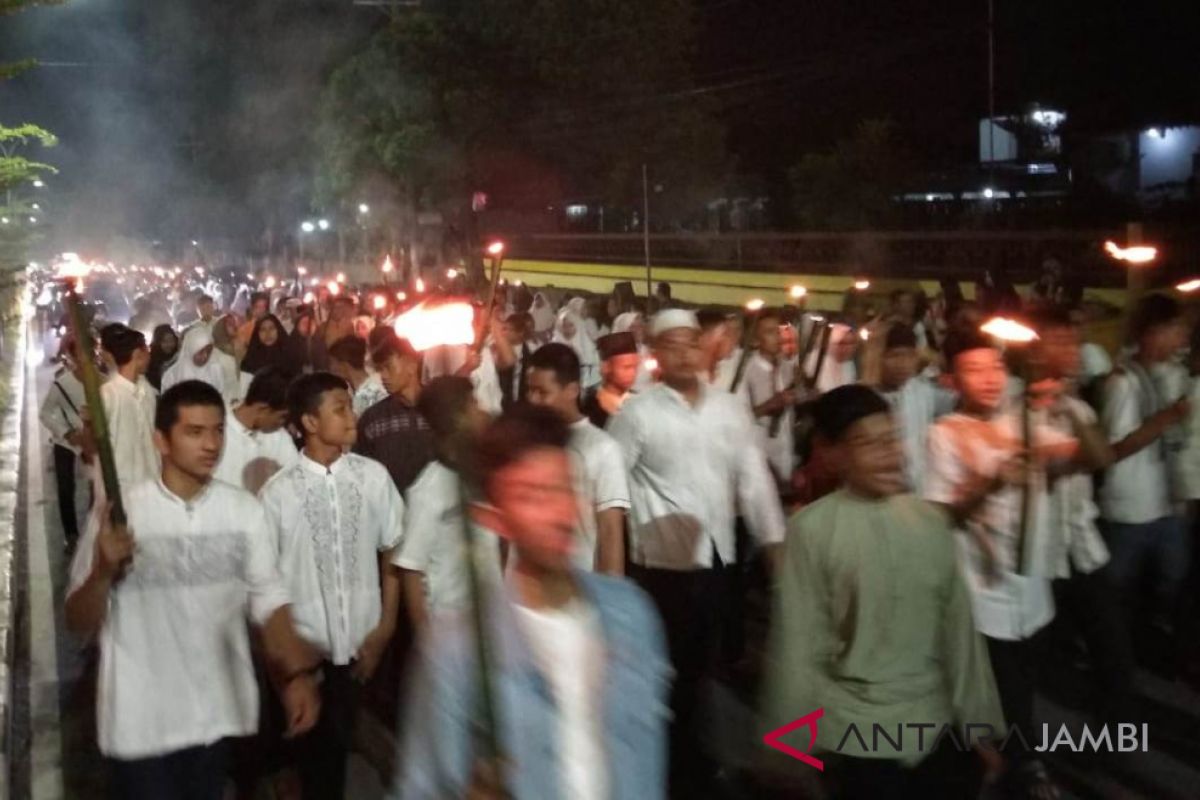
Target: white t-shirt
[[433, 541], [568, 650], [328, 525], [762, 381], [1009, 606], [598, 474], [251, 458], [1073, 510], [1136, 489], [915, 406]]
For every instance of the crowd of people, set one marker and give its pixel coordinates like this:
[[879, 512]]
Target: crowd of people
[[600, 490]]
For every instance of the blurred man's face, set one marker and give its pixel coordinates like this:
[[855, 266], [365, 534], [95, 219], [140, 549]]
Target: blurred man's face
[[339, 368], [537, 508], [899, 366], [201, 356], [341, 311], [717, 341], [141, 360], [205, 309], [906, 306], [259, 309], [1059, 351], [193, 445], [397, 373], [1161, 342], [980, 376], [767, 336], [514, 332], [334, 423], [871, 457], [679, 357], [543, 389], [620, 372], [269, 420]]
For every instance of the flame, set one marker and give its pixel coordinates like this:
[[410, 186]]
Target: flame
[[420, 285], [401, 296], [72, 266], [428, 325], [651, 364], [495, 249], [862, 286], [315, 282], [388, 266], [270, 282], [334, 288], [451, 274], [1189, 286], [755, 305], [309, 297], [341, 277], [379, 302], [1137, 254], [864, 334], [301, 270], [1008, 330], [797, 292]]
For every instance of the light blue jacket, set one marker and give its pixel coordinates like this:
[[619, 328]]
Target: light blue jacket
[[437, 749]]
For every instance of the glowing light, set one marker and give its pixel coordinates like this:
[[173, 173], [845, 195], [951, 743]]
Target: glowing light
[[3, 220], [989, 193], [1155, 133], [754, 305], [307, 227], [341, 277], [38, 183], [420, 285], [269, 282], [36, 207], [380, 302], [315, 282], [195, 243], [495, 249], [1008, 330], [651, 364], [33, 220], [427, 326], [862, 286], [1189, 286], [1138, 254], [309, 298], [796, 292], [72, 266], [401, 296], [451, 274], [388, 266], [334, 287], [199, 270], [302, 270], [864, 334], [323, 224], [363, 208]]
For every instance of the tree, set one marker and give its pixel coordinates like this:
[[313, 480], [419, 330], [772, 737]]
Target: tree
[[525, 100], [853, 186]]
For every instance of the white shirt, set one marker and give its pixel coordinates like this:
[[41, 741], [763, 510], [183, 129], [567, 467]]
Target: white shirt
[[598, 474], [433, 541], [762, 381], [568, 649], [723, 375], [915, 406], [961, 449], [60, 411], [690, 469], [175, 667], [250, 458], [1188, 470], [328, 526], [1094, 362], [129, 408], [1173, 381], [1072, 508], [1136, 489], [368, 393]]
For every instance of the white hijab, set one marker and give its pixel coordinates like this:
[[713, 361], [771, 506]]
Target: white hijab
[[581, 343], [195, 339], [543, 316], [833, 373]]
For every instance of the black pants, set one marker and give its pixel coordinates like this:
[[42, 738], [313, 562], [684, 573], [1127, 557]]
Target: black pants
[[691, 605], [64, 478], [945, 774], [1090, 604], [197, 773], [1014, 665], [322, 752]]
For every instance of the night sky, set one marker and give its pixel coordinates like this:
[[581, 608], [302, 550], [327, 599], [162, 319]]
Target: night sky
[[211, 98]]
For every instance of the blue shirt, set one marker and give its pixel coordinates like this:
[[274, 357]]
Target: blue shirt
[[438, 751]]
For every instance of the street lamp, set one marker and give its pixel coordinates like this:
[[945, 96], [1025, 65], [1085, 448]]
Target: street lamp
[[38, 183], [363, 208], [307, 227], [323, 224]]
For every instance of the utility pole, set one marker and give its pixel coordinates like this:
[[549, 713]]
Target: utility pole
[[991, 28], [646, 228]]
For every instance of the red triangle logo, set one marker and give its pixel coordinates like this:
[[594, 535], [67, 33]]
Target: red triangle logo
[[809, 721]]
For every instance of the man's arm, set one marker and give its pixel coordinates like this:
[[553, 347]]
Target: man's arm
[[102, 557], [1121, 423], [757, 497], [610, 541], [414, 599], [52, 414], [369, 654]]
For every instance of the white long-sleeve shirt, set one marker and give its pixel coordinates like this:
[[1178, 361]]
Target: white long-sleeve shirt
[[129, 408], [690, 469], [328, 525], [762, 381], [61, 409], [250, 458], [598, 474], [175, 667]]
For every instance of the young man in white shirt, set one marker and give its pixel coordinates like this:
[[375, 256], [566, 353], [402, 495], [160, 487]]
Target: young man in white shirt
[[916, 402], [1140, 524], [168, 596], [689, 450], [129, 402], [335, 516], [432, 556], [976, 469], [256, 443], [579, 673], [768, 388], [348, 360], [598, 469], [619, 364], [60, 416]]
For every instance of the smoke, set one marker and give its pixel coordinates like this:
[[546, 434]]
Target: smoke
[[179, 120]]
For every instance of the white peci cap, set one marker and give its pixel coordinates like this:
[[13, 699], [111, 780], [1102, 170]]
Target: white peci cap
[[673, 318]]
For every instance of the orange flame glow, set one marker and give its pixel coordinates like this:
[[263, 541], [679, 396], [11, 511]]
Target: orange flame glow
[[495, 249], [427, 325], [388, 266], [796, 292], [1188, 287], [754, 305], [1138, 254], [379, 302], [1008, 330]]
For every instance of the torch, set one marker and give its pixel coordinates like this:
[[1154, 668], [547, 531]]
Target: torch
[[817, 336], [387, 269], [426, 326], [91, 391], [1016, 335], [753, 309]]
